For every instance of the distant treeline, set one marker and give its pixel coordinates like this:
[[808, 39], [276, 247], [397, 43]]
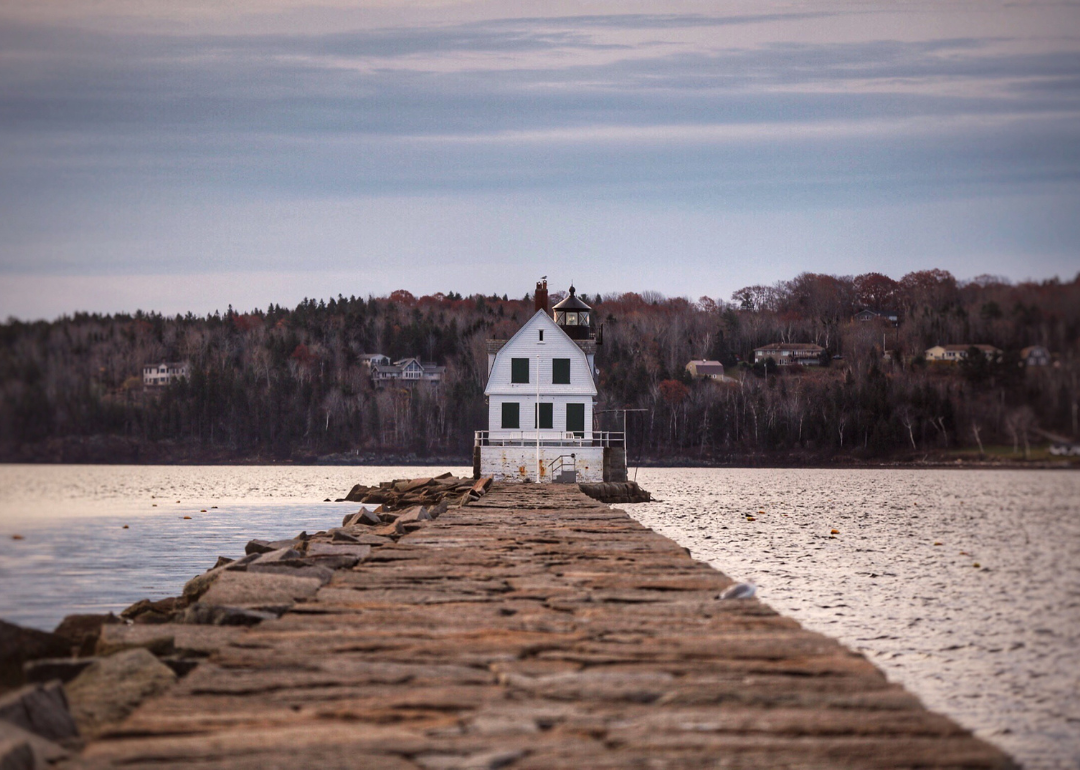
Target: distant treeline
[[291, 384]]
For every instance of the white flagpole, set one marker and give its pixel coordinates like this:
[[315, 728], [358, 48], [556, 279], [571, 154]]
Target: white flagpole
[[536, 419]]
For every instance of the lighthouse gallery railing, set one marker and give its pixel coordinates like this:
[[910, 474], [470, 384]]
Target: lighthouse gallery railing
[[549, 438]]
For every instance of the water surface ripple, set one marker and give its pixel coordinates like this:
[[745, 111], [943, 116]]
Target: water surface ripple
[[995, 646]]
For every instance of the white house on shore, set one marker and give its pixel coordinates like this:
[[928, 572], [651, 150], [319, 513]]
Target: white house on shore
[[406, 370], [540, 394], [374, 359], [957, 353], [790, 353], [164, 373], [1035, 355]]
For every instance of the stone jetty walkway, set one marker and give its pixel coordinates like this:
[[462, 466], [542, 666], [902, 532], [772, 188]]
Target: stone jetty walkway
[[535, 628]]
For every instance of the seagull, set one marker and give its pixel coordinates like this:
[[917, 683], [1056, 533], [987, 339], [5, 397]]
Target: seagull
[[739, 591]]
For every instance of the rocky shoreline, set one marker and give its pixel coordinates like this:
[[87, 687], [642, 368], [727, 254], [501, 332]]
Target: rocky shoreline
[[536, 628], [73, 684], [59, 689]]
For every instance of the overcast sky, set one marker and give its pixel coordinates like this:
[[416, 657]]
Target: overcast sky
[[183, 155]]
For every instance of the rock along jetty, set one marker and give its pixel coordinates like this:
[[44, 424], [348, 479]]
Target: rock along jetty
[[532, 628]]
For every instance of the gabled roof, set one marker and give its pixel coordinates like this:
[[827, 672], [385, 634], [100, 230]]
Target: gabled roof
[[965, 348], [710, 368], [399, 367], [703, 367], [541, 317], [791, 346]]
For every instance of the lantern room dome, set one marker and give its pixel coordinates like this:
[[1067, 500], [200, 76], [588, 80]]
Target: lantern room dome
[[572, 316], [572, 302]]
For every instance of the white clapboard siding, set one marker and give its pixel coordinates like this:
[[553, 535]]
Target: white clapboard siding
[[527, 403], [526, 344]]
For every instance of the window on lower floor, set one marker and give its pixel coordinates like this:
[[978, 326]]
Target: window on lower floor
[[511, 414], [575, 419], [544, 416]]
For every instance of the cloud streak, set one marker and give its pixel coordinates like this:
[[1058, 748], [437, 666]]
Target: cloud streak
[[738, 112], [299, 84]]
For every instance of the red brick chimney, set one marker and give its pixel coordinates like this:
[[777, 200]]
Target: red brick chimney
[[540, 297]]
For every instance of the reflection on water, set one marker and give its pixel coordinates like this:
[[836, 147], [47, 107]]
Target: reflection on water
[[996, 646], [964, 586]]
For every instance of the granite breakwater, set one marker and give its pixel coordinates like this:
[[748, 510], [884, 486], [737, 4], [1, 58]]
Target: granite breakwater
[[530, 627]]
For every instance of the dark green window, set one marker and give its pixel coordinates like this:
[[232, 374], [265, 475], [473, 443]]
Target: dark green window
[[575, 419], [519, 370], [547, 416], [511, 414], [560, 371]]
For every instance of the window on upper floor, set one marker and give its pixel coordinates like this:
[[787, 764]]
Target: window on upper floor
[[541, 335], [519, 370], [560, 371]]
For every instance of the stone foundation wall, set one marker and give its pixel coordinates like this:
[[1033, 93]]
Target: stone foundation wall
[[518, 463], [614, 463]]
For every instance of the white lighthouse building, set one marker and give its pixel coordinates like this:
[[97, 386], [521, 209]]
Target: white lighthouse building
[[540, 393]]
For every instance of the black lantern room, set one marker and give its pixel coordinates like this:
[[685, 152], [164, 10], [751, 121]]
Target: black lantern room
[[573, 316]]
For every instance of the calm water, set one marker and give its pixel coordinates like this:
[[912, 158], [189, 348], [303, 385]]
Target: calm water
[[964, 586], [996, 646], [76, 555]]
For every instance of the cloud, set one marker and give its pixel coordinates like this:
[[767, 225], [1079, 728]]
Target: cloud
[[404, 42], [188, 88], [109, 133], [659, 21]]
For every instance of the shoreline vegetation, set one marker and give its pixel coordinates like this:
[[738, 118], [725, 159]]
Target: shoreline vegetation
[[296, 385], [109, 450]]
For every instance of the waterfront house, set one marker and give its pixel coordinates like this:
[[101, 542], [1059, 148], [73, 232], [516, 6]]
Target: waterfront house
[[540, 394], [956, 353], [406, 370], [1035, 355], [865, 315], [370, 359], [700, 369], [165, 373], [790, 353], [1065, 449]]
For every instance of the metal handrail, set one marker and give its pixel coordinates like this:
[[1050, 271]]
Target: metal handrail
[[550, 438], [562, 462]]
